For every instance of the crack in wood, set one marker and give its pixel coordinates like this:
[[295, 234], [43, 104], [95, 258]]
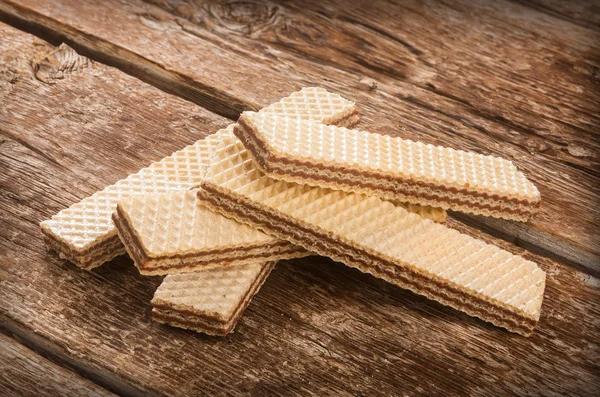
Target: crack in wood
[[110, 54]]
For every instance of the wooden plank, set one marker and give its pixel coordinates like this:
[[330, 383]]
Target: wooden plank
[[316, 327], [582, 12], [475, 97], [494, 67], [25, 373], [94, 125]]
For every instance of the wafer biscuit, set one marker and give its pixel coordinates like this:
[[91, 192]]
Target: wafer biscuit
[[306, 151], [172, 233], [210, 300], [376, 237], [85, 234]]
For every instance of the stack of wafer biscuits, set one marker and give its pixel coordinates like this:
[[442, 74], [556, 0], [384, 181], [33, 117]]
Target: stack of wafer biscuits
[[293, 179], [168, 235], [171, 233], [377, 237]]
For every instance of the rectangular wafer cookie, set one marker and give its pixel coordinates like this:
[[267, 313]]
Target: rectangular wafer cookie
[[174, 233], [379, 238], [85, 234], [306, 151], [210, 300]]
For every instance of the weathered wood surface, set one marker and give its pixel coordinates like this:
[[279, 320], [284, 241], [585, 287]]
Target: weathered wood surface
[[316, 327], [93, 125], [24, 373], [583, 12], [500, 78]]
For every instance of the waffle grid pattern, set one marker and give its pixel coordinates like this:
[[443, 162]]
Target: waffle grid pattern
[[364, 154], [381, 229], [85, 225], [175, 223], [214, 292], [89, 221], [173, 233]]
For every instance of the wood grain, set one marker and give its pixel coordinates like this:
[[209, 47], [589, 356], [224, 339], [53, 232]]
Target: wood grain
[[518, 83], [24, 373], [92, 124], [316, 328], [583, 12]]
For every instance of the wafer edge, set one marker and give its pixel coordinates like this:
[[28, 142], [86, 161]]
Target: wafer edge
[[348, 179], [271, 221], [186, 263], [187, 317], [108, 246]]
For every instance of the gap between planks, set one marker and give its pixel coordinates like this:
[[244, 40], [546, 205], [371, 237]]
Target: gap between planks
[[60, 355], [23, 372]]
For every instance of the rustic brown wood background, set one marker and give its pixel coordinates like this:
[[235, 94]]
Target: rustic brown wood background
[[137, 80]]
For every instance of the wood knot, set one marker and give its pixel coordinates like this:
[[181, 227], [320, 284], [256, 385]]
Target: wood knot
[[370, 83], [58, 64], [244, 18]]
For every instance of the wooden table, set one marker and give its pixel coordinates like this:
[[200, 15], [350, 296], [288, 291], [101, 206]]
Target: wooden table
[[139, 80]]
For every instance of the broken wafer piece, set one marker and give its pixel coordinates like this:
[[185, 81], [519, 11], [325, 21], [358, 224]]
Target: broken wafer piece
[[306, 151], [379, 238], [85, 234], [174, 233], [210, 300]]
